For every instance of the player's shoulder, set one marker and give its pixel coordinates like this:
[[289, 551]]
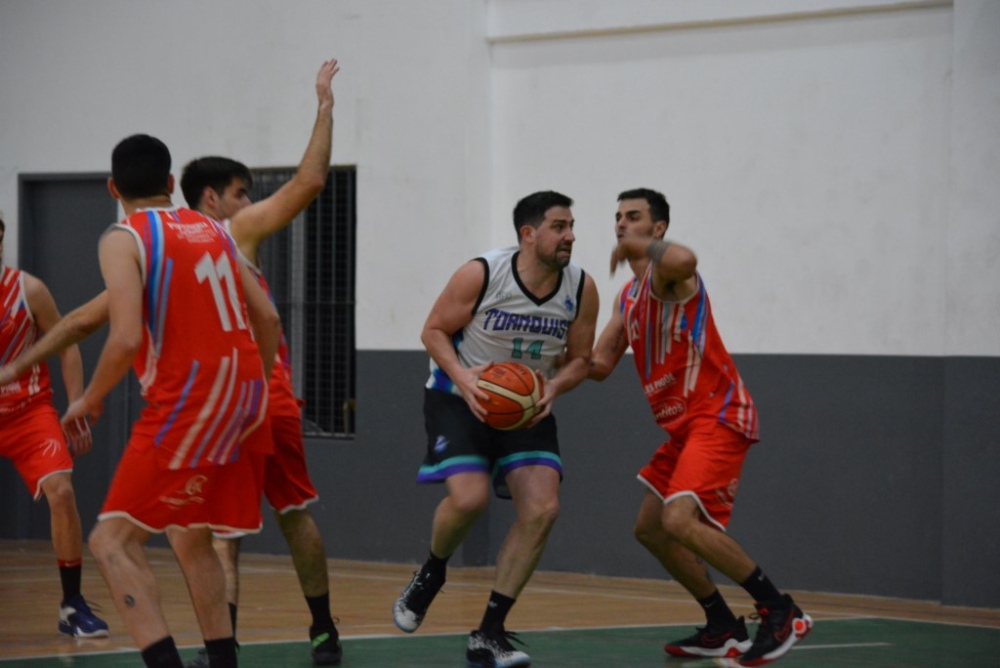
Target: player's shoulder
[[34, 287], [497, 255]]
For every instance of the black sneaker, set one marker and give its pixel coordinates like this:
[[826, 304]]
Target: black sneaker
[[411, 606], [326, 650], [492, 649], [713, 641], [782, 624], [200, 659]]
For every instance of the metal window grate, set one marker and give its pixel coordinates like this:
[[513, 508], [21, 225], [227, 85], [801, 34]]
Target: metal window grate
[[310, 266]]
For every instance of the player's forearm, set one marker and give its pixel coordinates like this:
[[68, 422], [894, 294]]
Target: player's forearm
[[316, 160], [267, 331], [608, 352], [439, 346], [600, 367], [670, 259], [72, 372], [113, 365], [570, 375]]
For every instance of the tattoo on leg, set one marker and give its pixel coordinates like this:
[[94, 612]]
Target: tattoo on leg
[[129, 601], [656, 249]]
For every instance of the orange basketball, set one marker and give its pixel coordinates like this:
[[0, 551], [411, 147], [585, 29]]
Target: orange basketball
[[514, 389]]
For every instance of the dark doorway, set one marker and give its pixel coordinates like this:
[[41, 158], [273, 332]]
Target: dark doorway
[[61, 218]]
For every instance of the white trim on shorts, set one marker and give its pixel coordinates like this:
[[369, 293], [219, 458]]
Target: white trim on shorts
[[121, 514], [38, 486], [670, 498]]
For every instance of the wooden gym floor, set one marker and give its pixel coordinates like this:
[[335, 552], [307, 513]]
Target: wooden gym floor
[[567, 619]]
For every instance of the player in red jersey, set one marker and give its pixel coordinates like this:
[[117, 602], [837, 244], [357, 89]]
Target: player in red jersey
[[699, 399], [181, 309], [30, 435], [219, 187]]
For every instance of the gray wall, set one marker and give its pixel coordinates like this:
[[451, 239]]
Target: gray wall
[[875, 475]]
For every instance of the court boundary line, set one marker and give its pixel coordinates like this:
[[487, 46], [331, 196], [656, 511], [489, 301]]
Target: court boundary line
[[554, 629]]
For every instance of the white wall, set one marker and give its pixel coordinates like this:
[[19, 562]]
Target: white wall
[[833, 162], [806, 161], [236, 77], [973, 312]]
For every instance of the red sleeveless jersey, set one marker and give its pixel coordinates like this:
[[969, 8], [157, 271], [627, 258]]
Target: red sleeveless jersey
[[685, 370], [282, 396], [282, 400], [199, 366], [17, 332]]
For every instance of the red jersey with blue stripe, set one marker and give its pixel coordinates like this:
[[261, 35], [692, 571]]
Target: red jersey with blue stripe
[[686, 371], [282, 396], [17, 332], [199, 366]]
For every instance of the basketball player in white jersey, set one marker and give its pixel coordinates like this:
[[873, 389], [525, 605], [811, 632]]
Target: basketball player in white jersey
[[529, 304]]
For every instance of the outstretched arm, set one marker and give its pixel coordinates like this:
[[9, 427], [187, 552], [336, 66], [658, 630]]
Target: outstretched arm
[[58, 337], [253, 224], [611, 346], [673, 265], [119, 256], [46, 315], [579, 341]]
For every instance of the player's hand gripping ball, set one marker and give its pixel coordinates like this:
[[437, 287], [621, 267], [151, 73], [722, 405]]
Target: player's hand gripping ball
[[514, 391]]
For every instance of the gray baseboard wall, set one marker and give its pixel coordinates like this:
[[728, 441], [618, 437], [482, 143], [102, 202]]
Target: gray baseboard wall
[[875, 475]]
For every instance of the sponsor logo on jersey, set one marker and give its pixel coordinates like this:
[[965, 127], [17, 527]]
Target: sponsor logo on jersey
[[659, 383], [190, 493], [498, 320], [727, 495], [669, 410], [194, 232], [13, 387]]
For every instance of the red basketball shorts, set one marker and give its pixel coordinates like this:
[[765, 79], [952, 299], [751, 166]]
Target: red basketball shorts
[[223, 498], [33, 439], [706, 465], [287, 485]]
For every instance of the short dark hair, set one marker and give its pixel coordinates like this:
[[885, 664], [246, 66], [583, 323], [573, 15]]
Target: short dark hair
[[658, 207], [140, 166], [531, 209], [213, 172]]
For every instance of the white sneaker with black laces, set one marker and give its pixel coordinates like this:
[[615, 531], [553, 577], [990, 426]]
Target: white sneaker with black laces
[[492, 649], [410, 608]]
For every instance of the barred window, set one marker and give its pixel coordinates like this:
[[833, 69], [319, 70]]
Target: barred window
[[310, 266]]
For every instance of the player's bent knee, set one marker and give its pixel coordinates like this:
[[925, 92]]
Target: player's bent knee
[[58, 492], [469, 505], [647, 533], [680, 518], [101, 542], [542, 515]]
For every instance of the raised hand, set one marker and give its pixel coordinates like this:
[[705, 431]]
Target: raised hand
[[324, 82]]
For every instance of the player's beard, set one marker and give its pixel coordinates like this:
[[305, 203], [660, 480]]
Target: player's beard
[[559, 258]]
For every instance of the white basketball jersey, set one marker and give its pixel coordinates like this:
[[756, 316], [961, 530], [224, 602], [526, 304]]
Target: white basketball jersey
[[511, 324]]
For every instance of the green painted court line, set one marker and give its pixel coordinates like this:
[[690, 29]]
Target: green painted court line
[[870, 643]]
